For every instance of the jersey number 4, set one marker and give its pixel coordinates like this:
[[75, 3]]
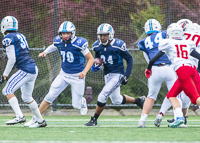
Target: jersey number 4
[[181, 53]]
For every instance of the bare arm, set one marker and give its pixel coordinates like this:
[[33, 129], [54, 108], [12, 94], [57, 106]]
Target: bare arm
[[88, 66]]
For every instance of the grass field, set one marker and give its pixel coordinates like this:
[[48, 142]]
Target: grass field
[[109, 129]]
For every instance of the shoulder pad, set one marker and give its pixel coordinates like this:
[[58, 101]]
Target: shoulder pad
[[95, 44], [56, 40], [8, 40], [120, 44], [80, 43]]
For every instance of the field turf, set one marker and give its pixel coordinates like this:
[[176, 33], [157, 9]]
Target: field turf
[[61, 129]]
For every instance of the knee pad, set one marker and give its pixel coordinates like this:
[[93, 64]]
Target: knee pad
[[124, 99], [101, 104]]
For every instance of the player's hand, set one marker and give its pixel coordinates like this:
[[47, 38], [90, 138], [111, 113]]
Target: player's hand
[[148, 73], [2, 79], [124, 80], [43, 54], [95, 68], [82, 75]]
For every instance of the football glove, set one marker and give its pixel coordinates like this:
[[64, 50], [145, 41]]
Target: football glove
[[2, 79], [96, 68], [148, 73], [124, 80]]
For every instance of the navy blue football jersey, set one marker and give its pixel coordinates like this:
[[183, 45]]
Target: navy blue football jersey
[[113, 55], [23, 58], [73, 60], [150, 46]]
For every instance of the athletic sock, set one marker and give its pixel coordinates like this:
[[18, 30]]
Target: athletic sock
[[96, 116], [165, 105], [15, 106], [137, 101], [143, 117], [178, 112], [35, 110]]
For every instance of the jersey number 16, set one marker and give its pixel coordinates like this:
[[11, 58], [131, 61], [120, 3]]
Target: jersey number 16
[[181, 53]]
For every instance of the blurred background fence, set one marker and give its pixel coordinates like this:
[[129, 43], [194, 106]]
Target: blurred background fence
[[39, 21]]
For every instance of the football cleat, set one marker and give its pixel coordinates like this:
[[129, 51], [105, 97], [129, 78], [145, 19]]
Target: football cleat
[[141, 103], [84, 108], [177, 122], [182, 126], [92, 122], [38, 125], [170, 120], [141, 124], [31, 122], [158, 120], [16, 120]]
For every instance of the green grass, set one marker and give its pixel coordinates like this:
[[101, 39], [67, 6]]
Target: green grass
[[109, 129]]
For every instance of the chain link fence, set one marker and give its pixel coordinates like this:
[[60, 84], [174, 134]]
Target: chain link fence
[[39, 21]]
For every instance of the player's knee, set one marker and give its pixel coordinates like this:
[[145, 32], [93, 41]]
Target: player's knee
[[101, 104], [49, 98], [124, 100], [27, 98]]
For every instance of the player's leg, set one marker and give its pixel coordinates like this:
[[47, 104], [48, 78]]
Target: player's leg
[[77, 89], [154, 85], [14, 83], [57, 86], [27, 90], [101, 101]]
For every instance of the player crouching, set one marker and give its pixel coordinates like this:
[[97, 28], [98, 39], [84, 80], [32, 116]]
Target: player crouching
[[112, 51], [18, 55]]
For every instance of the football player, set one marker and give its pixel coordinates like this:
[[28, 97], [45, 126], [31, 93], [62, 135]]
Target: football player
[[149, 46], [112, 51], [73, 51], [17, 51], [179, 52]]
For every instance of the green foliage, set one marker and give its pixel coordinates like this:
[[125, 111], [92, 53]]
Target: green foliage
[[139, 19]]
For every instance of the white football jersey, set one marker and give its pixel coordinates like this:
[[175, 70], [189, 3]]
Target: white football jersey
[[178, 51], [195, 37]]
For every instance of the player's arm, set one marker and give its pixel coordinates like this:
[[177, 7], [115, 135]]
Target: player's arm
[[10, 51], [126, 55], [154, 59], [48, 50], [195, 54], [90, 62]]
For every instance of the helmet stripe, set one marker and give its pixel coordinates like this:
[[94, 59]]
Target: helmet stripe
[[150, 24], [102, 27], [13, 21], [65, 26]]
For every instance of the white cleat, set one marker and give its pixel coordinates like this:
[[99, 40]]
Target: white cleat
[[38, 125], [182, 126], [158, 120], [84, 108], [141, 124], [31, 122], [16, 120]]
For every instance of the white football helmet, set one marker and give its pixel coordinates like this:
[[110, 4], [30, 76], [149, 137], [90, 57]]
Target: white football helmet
[[174, 31], [152, 26], [194, 28], [9, 23], [184, 23], [105, 29], [67, 26]]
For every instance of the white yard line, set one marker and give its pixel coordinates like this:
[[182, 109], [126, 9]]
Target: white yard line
[[101, 120]]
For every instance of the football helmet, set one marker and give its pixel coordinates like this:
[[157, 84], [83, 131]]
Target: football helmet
[[152, 26], [174, 31], [194, 28], [105, 29], [9, 23], [67, 26], [184, 23]]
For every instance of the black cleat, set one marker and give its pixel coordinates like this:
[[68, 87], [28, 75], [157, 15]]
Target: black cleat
[[141, 103], [170, 120], [92, 122]]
